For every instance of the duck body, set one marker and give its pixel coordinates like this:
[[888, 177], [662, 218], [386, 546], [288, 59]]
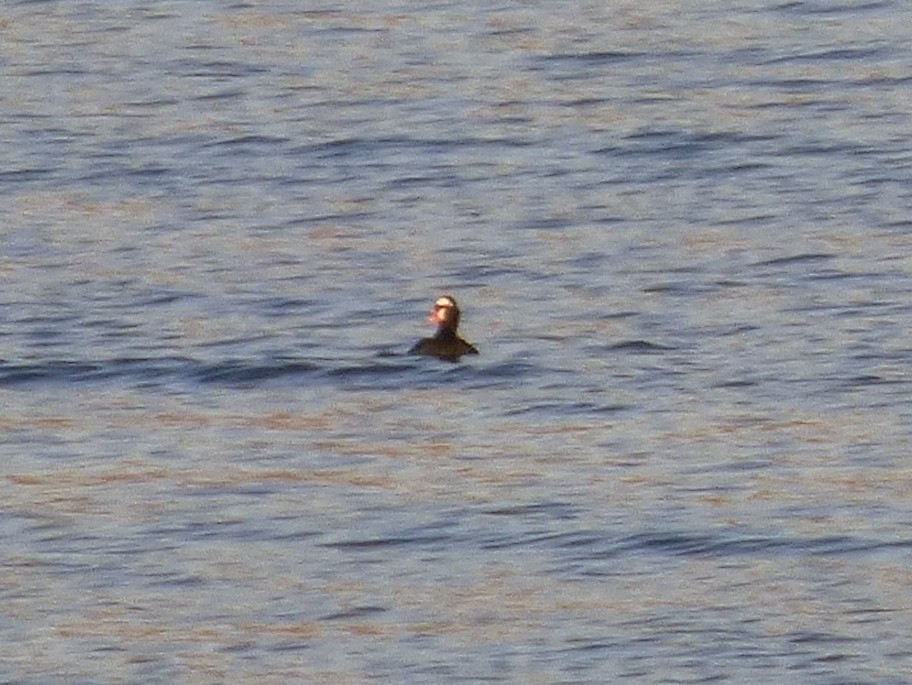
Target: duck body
[[447, 347], [445, 344]]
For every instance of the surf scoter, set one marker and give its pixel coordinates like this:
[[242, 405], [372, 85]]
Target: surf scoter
[[446, 343]]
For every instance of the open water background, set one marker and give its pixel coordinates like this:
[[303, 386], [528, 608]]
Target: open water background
[[681, 236]]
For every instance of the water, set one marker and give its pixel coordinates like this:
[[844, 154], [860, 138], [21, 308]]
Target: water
[[680, 236]]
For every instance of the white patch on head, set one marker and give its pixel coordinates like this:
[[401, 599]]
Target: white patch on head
[[444, 302]]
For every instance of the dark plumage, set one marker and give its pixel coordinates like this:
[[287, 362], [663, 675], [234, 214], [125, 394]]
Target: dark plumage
[[446, 343]]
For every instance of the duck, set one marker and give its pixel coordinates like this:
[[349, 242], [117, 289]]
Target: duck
[[445, 343]]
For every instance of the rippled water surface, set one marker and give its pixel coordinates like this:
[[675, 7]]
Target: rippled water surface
[[680, 234]]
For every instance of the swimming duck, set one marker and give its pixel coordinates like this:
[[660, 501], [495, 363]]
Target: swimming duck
[[446, 343]]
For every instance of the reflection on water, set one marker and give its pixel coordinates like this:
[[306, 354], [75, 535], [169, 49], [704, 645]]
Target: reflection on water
[[679, 239]]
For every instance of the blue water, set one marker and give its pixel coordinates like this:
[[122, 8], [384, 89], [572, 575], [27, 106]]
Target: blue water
[[680, 237]]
